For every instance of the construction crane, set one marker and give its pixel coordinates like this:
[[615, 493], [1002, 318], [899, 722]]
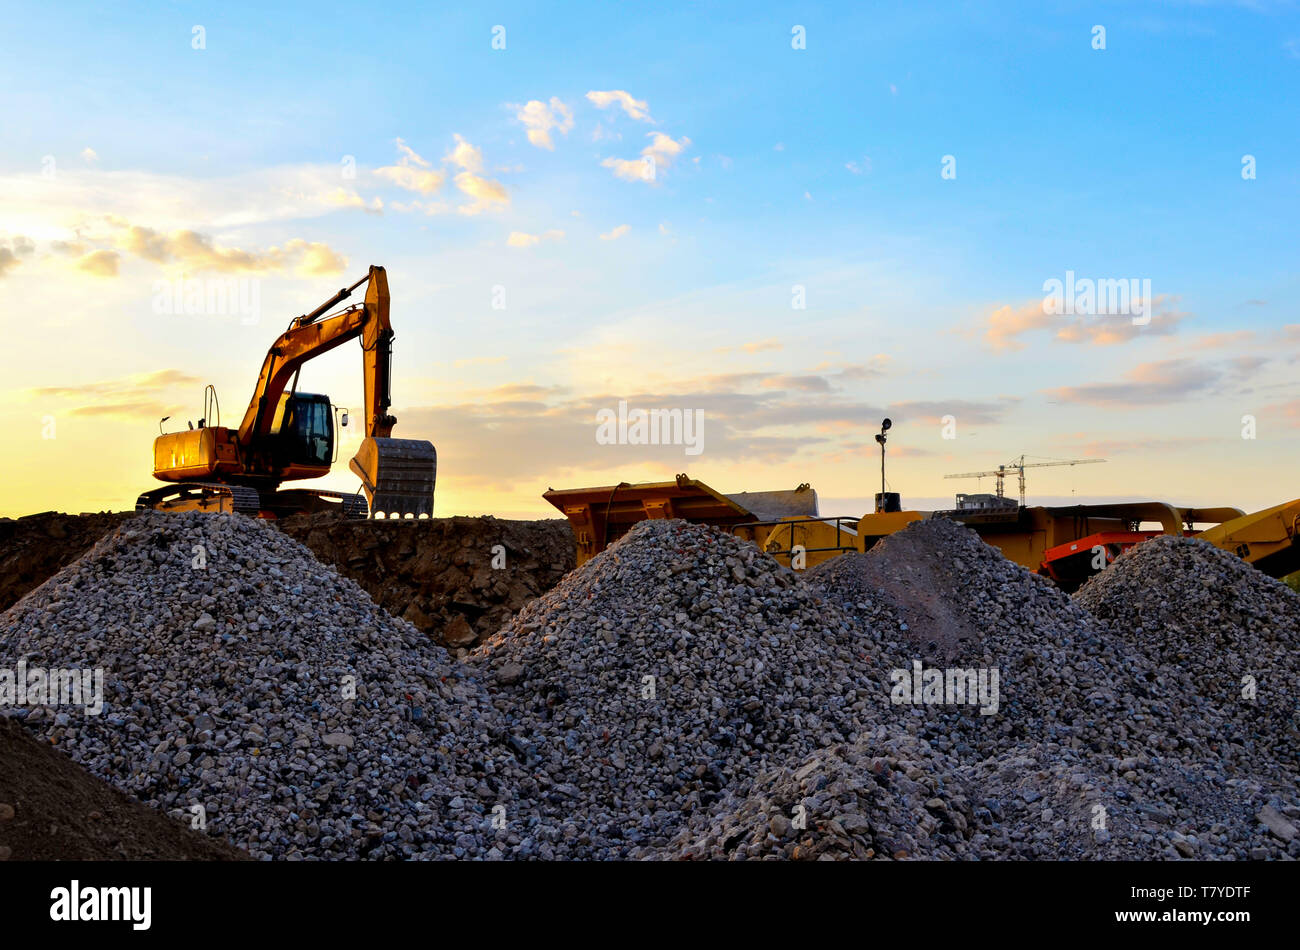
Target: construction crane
[[1019, 465]]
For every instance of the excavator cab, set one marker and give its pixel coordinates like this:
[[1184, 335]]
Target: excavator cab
[[304, 431]]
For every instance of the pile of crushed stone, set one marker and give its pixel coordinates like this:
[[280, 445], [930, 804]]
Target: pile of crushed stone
[[1200, 616], [675, 665], [259, 686], [679, 696]]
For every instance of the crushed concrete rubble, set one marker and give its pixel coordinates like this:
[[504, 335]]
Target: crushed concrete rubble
[[683, 696]]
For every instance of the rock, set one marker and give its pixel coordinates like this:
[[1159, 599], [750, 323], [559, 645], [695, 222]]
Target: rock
[[510, 673], [457, 632], [1275, 823]]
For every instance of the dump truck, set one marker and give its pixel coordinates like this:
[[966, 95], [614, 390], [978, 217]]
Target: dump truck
[[287, 435]]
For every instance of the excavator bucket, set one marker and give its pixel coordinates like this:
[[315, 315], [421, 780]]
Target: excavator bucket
[[398, 476]]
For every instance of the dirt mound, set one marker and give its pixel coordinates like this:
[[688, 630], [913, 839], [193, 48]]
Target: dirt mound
[[37, 547], [51, 809]]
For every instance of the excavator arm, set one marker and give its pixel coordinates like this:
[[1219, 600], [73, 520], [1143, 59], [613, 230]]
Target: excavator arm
[[306, 339]]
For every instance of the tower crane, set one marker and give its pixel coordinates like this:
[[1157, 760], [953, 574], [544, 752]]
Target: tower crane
[[1019, 465]]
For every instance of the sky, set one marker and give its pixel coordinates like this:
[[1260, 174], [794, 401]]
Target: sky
[[794, 219]]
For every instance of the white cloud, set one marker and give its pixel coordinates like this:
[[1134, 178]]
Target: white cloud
[[636, 108], [466, 156], [540, 118], [523, 239], [617, 233], [487, 194], [89, 155], [412, 172], [100, 263], [655, 158]]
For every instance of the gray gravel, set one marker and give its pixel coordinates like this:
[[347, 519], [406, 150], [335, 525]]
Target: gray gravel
[[683, 696], [224, 686]]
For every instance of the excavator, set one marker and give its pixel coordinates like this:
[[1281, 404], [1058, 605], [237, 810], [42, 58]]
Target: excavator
[[288, 435]]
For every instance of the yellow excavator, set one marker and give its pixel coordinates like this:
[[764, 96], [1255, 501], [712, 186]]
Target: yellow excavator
[[288, 435]]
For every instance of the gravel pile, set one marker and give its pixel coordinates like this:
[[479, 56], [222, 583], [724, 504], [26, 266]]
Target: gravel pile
[[937, 593], [224, 687], [1200, 615], [683, 696], [886, 799], [748, 668], [1175, 775]]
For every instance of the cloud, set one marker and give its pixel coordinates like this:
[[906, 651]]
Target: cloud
[[539, 119], [1005, 325], [480, 360], [466, 156], [1287, 412], [410, 156], [1218, 341], [343, 198], [635, 108], [966, 412], [859, 169], [88, 154], [1162, 381], [100, 263], [197, 252], [617, 233], [656, 157], [756, 347], [487, 194], [9, 257], [412, 172], [522, 239], [139, 396], [1098, 447]]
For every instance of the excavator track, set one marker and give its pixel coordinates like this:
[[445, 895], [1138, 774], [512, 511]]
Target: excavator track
[[240, 499], [202, 496]]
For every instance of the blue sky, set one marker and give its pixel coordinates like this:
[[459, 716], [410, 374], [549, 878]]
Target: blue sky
[[815, 167]]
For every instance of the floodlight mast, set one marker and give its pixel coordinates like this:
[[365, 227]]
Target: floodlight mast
[[885, 426]]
